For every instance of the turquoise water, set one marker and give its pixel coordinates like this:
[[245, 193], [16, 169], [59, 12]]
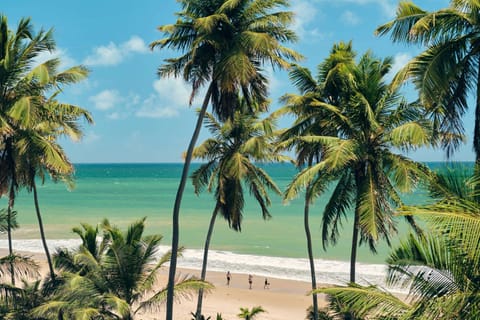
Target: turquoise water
[[125, 192]]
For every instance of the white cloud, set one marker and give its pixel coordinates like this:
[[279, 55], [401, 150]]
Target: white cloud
[[113, 54], [171, 95], [305, 12], [399, 61], [106, 99], [168, 98], [350, 18], [65, 60], [135, 44], [105, 56]]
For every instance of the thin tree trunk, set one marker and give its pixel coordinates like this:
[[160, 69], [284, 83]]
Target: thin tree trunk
[[476, 134], [198, 313], [178, 201], [353, 256], [42, 231], [310, 251], [359, 177], [11, 201]]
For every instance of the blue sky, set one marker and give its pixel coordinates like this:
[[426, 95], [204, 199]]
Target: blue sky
[[141, 118]]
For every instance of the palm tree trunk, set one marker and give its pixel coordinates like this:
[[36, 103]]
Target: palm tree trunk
[[353, 256], [359, 177], [198, 313], [178, 201], [11, 201], [476, 134], [42, 231], [306, 225]]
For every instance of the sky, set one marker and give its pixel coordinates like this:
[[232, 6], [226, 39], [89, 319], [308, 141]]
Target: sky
[[142, 118]]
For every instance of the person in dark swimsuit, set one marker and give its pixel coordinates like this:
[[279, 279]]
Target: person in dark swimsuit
[[229, 276]]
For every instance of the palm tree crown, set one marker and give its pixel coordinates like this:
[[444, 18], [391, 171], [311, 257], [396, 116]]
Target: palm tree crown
[[231, 154], [354, 148], [225, 43], [448, 71]]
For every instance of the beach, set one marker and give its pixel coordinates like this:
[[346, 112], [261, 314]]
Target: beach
[[284, 300]]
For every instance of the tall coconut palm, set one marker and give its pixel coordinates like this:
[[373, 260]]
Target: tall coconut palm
[[231, 156], [40, 155], [32, 118], [224, 45], [17, 49], [447, 73], [310, 121], [440, 269], [20, 84], [113, 279], [370, 121]]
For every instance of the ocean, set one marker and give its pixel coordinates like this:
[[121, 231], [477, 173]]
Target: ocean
[[124, 193]]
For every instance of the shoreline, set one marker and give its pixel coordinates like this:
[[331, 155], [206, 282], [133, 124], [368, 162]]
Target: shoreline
[[284, 300], [329, 272]]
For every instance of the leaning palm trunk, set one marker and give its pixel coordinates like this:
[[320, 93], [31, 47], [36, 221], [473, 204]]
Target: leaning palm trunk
[[11, 201], [476, 135], [198, 314], [310, 252], [42, 231], [353, 255], [178, 200]]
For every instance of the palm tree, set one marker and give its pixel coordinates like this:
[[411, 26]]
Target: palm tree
[[250, 314], [237, 144], [447, 72], [224, 45], [39, 154], [370, 120], [114, 277], [314, 93], [30, 121], [18, 49], [17, 302], [441, 268]]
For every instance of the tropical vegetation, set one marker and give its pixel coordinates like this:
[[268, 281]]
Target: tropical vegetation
[[440, 268], [224, 45], [111, 275], [310, 120], [447, 73], [350, 123], [351, 130], [250, 314], [231, 156], [31, 117]]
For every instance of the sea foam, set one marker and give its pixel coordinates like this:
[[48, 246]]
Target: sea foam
[[327, 271]]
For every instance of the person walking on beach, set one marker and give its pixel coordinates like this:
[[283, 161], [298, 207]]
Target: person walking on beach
[[250, 280], [229, 276], [267, 284]]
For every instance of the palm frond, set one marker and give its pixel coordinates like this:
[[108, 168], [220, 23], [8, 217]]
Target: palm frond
[[366, 302]]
